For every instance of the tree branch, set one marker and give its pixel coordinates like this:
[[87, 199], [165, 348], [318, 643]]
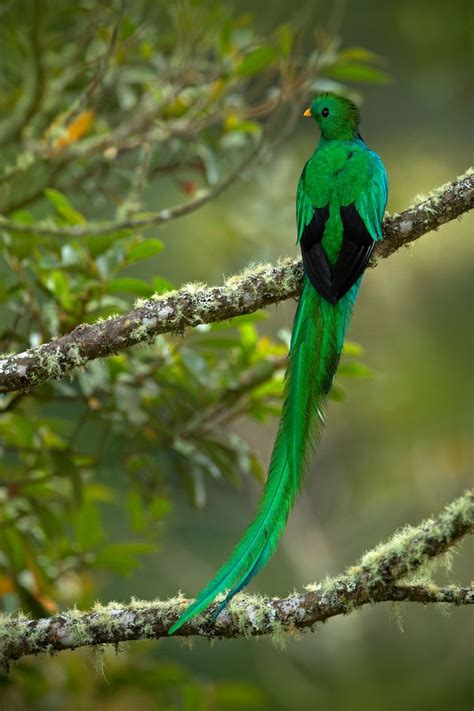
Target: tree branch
[[377, 577], [192, 305]]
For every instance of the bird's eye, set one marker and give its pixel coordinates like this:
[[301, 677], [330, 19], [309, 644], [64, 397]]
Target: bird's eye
[[325, 112]]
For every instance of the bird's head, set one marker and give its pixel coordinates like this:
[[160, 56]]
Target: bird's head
[[337, 117]]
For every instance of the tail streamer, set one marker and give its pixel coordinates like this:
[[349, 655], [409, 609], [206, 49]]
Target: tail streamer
[[316, 346]]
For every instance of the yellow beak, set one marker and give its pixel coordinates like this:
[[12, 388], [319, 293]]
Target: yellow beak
[[307, 112]]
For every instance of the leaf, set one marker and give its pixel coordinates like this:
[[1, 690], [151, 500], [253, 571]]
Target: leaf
[[248, 336], [351, 348], [58, 284], [233, 122], [101, 492], [161, 286], [64, 207], [100, 243], [355, 369], [257, 469], [351, 71], [18, 429], [122, 557], [359, 54], [285, 35], [255, 61], [12, 547], [130, 285], [136, 510], [24, 217], [88, 526], [337, 393], [159, 507], [9, 291], [144, 250]]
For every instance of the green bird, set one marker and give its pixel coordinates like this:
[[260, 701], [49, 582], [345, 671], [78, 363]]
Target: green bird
[[340, 203]]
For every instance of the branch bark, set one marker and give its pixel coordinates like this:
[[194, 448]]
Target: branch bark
[[386, 573], [197, 304]]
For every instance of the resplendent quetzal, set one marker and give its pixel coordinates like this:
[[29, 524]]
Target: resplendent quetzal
[[340, 204]]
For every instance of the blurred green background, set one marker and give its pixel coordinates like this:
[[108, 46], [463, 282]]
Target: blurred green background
[[395, 450], [399, 445]]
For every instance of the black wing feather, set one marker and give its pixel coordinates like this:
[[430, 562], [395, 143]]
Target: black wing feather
[[315, 263], [356, 249]]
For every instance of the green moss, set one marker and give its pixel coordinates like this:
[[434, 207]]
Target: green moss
[[248, 612], [78, 632], [279, 636], [50, 361], [396, 614], [75, 356], [98, 661]]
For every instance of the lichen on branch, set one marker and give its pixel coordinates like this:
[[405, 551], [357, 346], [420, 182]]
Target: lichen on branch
[[256, 287], [383, 574]]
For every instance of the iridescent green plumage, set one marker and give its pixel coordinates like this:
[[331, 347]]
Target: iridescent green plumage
[[340, 203]]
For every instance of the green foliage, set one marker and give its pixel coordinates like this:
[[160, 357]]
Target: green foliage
[[122, 679], [103, 124], [89, 467]]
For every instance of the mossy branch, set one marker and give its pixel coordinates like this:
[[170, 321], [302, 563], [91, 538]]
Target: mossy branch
[[192, 305], [383, 574]]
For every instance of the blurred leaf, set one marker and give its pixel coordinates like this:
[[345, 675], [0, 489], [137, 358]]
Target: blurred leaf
[[12, 546], [88, 527], [64, 207], [161, 286], [58, 285], [249, 336], [98, 244], [359, 54], [233, 122], [130, 285], [352, 71], [144, 250], [136, 510], [17, 429], [159, 507], [353, 349], [337, 394], [255, 61], [355, 369], [123, 557], [100, 492], [285, 35]]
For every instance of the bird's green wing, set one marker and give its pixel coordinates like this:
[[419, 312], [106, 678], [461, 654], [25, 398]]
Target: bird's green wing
[[304, 206], [372, 199]]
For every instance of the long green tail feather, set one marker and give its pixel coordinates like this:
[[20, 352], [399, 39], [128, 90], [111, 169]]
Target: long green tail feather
[[316, 345]]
